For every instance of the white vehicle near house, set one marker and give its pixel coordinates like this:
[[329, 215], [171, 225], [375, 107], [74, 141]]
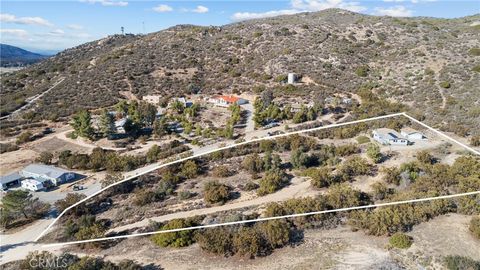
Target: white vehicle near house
[[32, 184]]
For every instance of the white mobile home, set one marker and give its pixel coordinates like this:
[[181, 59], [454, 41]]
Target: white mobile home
[[388, 136], [47, 173], [412, 134]]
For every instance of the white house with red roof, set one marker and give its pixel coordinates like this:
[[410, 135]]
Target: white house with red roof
[[225, 101]]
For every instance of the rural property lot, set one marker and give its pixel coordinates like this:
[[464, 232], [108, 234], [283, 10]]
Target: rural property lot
[[126, 211]]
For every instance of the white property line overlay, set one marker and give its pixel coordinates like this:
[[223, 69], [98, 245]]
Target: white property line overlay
[[247, 142], [264, 219]]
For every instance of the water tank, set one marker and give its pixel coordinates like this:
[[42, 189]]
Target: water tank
[[291, 78]]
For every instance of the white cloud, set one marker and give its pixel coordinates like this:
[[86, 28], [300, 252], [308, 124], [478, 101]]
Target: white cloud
[[107, 3], [241, 16], [74, 27], [163, 8], [57, 32], [9, 18], [200, 9], [298, 6], [317, 5], [14, 32], [396, 11]]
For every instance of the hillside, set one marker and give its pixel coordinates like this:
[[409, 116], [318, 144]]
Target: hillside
[[11, 56], [432, 65]]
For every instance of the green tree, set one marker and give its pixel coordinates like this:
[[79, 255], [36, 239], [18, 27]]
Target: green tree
[[106, 124], [17, 201], [82, 124], [160, 127], [122, 107], [147, 113]]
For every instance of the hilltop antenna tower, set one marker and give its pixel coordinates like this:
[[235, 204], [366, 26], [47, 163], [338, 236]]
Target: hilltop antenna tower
[[123, 30]]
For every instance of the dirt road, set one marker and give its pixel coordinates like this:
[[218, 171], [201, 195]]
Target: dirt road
[[299, 187]]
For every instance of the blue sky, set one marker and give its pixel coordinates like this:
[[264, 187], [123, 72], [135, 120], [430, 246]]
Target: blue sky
[[55, 25]]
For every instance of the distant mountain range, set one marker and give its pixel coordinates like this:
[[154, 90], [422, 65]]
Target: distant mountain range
[[11, 56]]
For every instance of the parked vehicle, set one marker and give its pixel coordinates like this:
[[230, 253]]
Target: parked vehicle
[[77, 187]]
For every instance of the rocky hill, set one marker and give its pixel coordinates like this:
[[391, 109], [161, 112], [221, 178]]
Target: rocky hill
[[432, 65], [11, 56]]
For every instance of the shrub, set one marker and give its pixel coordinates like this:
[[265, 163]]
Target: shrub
[[476, 68], [363, 139], [214, 192], [69, 200], [342, 195], [445, 84], [475, 141], [175, 239], [185, 194], [373, 152], [321, 177], [144, 197], [455, 262], [250, 243], [474, 51], [362, 71], [217, 241], [189, 169], [222, 171], [250, 186], [425, 157], [400, 240], [45, 158], [380, 190], [352, 167], [475, 226], [276, 232], [24, 137], [271, 182]]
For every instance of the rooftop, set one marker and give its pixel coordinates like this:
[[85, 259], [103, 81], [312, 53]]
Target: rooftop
[[389, 134], [230, 99], [410, 130], [41, 169], [9, 178]]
